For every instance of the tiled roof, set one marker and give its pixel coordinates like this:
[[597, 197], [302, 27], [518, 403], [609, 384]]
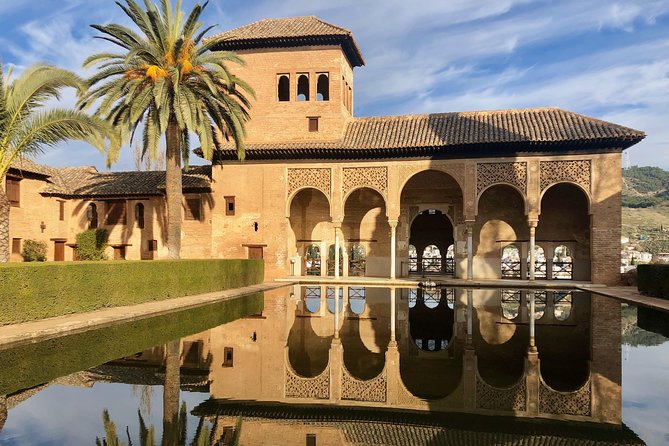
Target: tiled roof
[[442, 133], [371, 425], [289, 32], [21, 165], [88, 182]]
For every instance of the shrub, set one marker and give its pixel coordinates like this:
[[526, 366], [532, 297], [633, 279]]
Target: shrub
[[91, 244], [37, 291], [34, 251], [653, 280]]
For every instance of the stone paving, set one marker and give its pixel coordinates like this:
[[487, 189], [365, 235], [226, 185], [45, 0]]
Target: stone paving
[[28, 332]]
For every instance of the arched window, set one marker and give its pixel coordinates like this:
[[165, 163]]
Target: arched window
[[539, 263], [331, 260], [356, 299], [563, 264], [431, 259], [510, 304], [431, 298], [356, 260], [563, 302], [450, 297], [303, 87], [92, 216], [283, 88], [312, 260], [331, 300], [323, 88], [139, 215], [312, 298], [413, 259], [539, 303], [511, 262]]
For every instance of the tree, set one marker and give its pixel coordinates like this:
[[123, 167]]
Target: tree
[[167, 80], [27, 126]]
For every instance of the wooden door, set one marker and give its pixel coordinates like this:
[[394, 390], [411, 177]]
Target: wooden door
[[59, 251], [255, 252]]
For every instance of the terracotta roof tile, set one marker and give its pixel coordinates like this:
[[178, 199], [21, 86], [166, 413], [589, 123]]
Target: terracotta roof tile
[[88, 182], [290, 32], [444, 131], [20, 165]]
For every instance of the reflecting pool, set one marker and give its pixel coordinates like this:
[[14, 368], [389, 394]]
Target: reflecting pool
[[334, 365]]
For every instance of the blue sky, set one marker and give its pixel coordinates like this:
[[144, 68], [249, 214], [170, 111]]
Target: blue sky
[[607, 59]]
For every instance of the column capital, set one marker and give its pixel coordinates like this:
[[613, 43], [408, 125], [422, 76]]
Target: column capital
[[532, 223], [393, 223], [336, 222]]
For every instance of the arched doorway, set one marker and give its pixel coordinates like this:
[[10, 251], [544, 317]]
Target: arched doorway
[[564, 222], [365, 229], [499, 233], [430, 214], [311, 230]]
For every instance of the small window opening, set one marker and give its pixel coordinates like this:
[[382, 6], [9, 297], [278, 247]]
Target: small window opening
[[311, 440], [152, 245], [116, 212], [229, 205], [323, 88], [16, 246], [303, 87], [61, 210], [284, 88], [92, 216], [313, 124], [13, 191], [228, 357], [139, 215], [193, 208]]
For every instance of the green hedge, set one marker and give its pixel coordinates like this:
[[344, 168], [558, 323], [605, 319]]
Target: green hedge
[[24, 366], [37, 291], [653, 280]]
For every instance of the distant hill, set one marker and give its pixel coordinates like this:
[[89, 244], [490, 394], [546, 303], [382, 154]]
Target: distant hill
[[645, 187]]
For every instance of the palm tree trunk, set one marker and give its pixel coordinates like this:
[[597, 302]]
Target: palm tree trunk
[[171, 393], [4, 222], [3, 411], [173, 189]]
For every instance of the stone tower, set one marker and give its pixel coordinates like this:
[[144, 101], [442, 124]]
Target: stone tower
[[301, 69]]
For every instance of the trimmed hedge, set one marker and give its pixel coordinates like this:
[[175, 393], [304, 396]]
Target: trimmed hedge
[[33, 364], [653, 280], [38, 291]]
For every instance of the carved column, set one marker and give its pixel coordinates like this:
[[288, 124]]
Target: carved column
[[336, 361], [393, 246], [533, 260], [336, 312], [531, 297], [337, 226], [393, 311], [470, 316], [470, 250]]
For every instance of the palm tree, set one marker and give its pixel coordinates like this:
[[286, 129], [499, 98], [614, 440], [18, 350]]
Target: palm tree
[[27, 126], [167, 79]]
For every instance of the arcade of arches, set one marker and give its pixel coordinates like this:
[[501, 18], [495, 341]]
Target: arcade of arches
[[476, 219]]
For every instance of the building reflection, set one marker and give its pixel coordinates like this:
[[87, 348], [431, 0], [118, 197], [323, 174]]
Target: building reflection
[[345, 351]]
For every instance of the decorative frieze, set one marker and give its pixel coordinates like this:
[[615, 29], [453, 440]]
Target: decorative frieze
[[577, 171], [512, 398], [374, 390], [565, 403], [373, 177], [314, 388], [488, 174], [318, 178]]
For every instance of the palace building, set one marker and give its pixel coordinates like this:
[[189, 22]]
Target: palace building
[[531, 193]]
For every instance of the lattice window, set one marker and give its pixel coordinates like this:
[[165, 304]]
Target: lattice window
[[559, 171], [318, 178], [488, 174], [373, 177], [565, 403]]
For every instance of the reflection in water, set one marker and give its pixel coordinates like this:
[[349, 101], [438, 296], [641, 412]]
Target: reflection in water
[[294, 354]]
